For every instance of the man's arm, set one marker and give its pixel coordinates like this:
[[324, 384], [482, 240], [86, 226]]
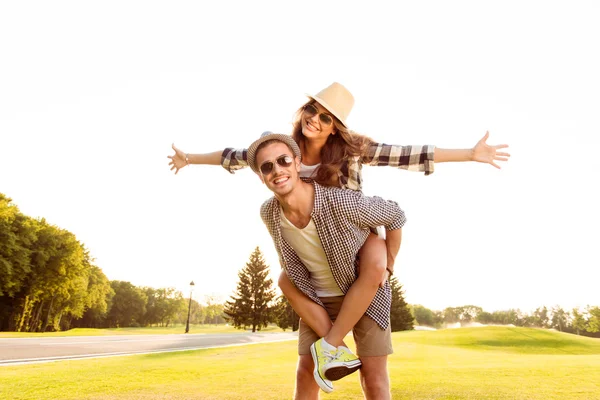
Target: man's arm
[[392, 241]]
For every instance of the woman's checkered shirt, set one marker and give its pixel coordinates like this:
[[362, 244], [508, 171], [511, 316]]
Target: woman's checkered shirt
[[343, 219], [411, 158]]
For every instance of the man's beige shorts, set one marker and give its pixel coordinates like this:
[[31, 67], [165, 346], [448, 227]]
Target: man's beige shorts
[[370, 339]]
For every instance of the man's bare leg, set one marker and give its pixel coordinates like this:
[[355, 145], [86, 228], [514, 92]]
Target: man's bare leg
[[374, 378], [306, 387]]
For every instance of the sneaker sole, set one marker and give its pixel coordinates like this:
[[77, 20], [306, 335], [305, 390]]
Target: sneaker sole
[[337, 373], [322, 384]]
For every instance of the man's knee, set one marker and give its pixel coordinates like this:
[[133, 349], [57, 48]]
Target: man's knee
[[304, 371], [305, 382], [374, 376], [375, 382]]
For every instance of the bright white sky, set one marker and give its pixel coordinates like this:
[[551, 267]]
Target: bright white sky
[[93, 94]]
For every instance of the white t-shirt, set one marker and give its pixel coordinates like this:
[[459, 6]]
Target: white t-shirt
[[307, 171], [308, 247]]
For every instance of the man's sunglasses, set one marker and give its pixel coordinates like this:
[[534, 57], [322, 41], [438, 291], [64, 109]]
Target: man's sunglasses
[[311, 111], [284, 161]]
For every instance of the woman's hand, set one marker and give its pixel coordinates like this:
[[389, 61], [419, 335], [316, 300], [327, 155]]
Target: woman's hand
[[178, 160], [386, 276], [482, 152]]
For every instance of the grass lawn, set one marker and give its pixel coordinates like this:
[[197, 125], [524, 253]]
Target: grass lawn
[[468, 363], [155, 330]]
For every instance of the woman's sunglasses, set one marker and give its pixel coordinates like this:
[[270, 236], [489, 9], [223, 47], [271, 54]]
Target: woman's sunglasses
[[311, 111], [284, 161]]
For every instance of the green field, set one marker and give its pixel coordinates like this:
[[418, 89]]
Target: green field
[[468, 363], [155, 330]]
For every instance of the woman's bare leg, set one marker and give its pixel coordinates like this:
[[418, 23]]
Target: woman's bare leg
[[373, 263], [311, 313]]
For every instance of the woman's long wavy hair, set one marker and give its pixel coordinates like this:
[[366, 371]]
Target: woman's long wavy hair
[[338, 148]]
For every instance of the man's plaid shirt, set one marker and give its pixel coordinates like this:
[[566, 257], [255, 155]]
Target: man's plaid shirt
[[343, 219], [411, 158]]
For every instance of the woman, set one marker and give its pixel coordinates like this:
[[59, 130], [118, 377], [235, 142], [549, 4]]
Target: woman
[[333, 155]]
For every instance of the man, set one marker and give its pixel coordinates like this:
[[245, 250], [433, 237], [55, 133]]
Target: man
[[305, 219]]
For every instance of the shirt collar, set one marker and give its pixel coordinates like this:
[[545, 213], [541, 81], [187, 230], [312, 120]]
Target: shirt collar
[[318, 204]]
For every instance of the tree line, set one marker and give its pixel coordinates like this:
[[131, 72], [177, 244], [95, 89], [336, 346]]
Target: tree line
[[254, 306], [49, 282], [133, 306], [581, 322]]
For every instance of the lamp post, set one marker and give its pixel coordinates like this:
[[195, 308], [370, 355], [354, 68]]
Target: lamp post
[[187, 324]]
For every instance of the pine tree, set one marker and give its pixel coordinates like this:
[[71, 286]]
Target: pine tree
[[252, 303], [400, 316], [285, 316]]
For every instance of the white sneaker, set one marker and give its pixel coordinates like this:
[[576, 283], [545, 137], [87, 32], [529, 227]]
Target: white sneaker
[[322, 357], [343, 364]]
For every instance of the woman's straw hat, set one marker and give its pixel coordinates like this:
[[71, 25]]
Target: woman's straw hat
[[337, 100]]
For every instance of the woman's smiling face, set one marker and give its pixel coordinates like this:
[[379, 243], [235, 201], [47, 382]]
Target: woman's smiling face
[[313, 127]]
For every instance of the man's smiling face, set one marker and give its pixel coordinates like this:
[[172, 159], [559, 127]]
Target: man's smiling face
[[278, 167]]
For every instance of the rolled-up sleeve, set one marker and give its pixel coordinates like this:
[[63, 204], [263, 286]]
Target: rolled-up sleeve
[[234, 159], [375, 211], [417, 158]]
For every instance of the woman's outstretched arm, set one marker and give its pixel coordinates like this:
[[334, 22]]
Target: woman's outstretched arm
[[481, 152], [423, 158], [181, 159], [229, 158]]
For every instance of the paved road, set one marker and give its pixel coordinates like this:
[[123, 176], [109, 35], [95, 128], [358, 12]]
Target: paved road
[[34, 350]]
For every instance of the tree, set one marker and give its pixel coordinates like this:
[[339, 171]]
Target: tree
[[560, 318], [507, 317], [98, 301], [540, 317], [424, 316], [469, 313], [171, 303], [57, 284], [163, 306], [401, 319], [285, 316], [46, 274], [214, 314], [251, 304], [16, 236], [451, 315], [463, 314], [128, 305], [578, 321], [485, 318], [197, 314], [593, 322]]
